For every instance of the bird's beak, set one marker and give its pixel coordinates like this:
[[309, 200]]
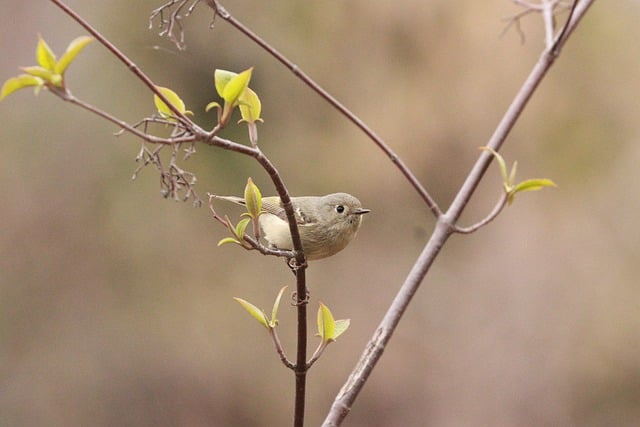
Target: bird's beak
[[361, 211]]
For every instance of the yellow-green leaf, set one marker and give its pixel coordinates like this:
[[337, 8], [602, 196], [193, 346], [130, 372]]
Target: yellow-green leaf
[[529, 185], [533, 185], [254, 311], [44, 55], [326, 324], [512, 175], [173, 98], [501, 163], [74, 48], [221, 78], [211, 105], [253, 199], [38, 71], [274, 311], [234, 87], [22, 81], [250, 106], [229, 240], [242, 225], [341, 326]]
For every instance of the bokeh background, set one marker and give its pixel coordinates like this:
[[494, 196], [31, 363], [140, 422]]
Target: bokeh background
[[116, 305]]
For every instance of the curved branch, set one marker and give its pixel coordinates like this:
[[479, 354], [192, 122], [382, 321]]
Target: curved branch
[[494, 213], [129, 63], [395, 159], [66, 96]]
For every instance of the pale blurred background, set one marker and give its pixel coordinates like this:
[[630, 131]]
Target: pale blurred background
[[116, 305]]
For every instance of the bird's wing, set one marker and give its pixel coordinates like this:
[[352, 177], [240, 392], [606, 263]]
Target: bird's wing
[[274, 207]]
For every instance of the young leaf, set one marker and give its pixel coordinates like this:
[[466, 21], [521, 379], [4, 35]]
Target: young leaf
[[512, 175], [533, 185], [221, 78], [37, 71], [250, 106], [44, 55], [211, 105], [74, 48], [229, 240], [274, 311], [253, 199], [501, 163], [22, 81], [234, 88], [242, 225], [326, 324], [254, 311], [529, 185], [173, 98], [341, 326]]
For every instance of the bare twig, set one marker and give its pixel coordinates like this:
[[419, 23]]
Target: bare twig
[[549, 9], [494, 213], [317, 353], [283, 357], [67, 96], [167, 26]]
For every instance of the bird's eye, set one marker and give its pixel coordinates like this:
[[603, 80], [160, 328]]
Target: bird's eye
[[339, 208]]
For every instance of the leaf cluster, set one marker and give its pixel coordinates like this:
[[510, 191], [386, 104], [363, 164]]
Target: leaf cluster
[[49, 72]]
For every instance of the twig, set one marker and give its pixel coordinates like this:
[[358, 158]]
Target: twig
[[283, 357], [316, 354], [548, 10], [494, 213], [67, 96]]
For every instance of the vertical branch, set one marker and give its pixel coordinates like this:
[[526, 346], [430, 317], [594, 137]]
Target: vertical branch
[[301, 288], [301, 353]]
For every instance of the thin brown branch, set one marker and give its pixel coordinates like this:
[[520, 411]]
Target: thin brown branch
[[280, 350], [395, 159], [128, 62], [317, 353], [68, 97]]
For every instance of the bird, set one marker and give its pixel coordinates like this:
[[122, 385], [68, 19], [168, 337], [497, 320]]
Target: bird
[[327, 224]]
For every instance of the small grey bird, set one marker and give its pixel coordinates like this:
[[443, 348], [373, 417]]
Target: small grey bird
[[327, 224]]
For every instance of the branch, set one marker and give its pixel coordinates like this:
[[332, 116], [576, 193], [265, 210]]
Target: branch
[[68, 97], [280, 350], [395, 159], [316, 354], [494, 213], [122, 57], [443, 229]]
